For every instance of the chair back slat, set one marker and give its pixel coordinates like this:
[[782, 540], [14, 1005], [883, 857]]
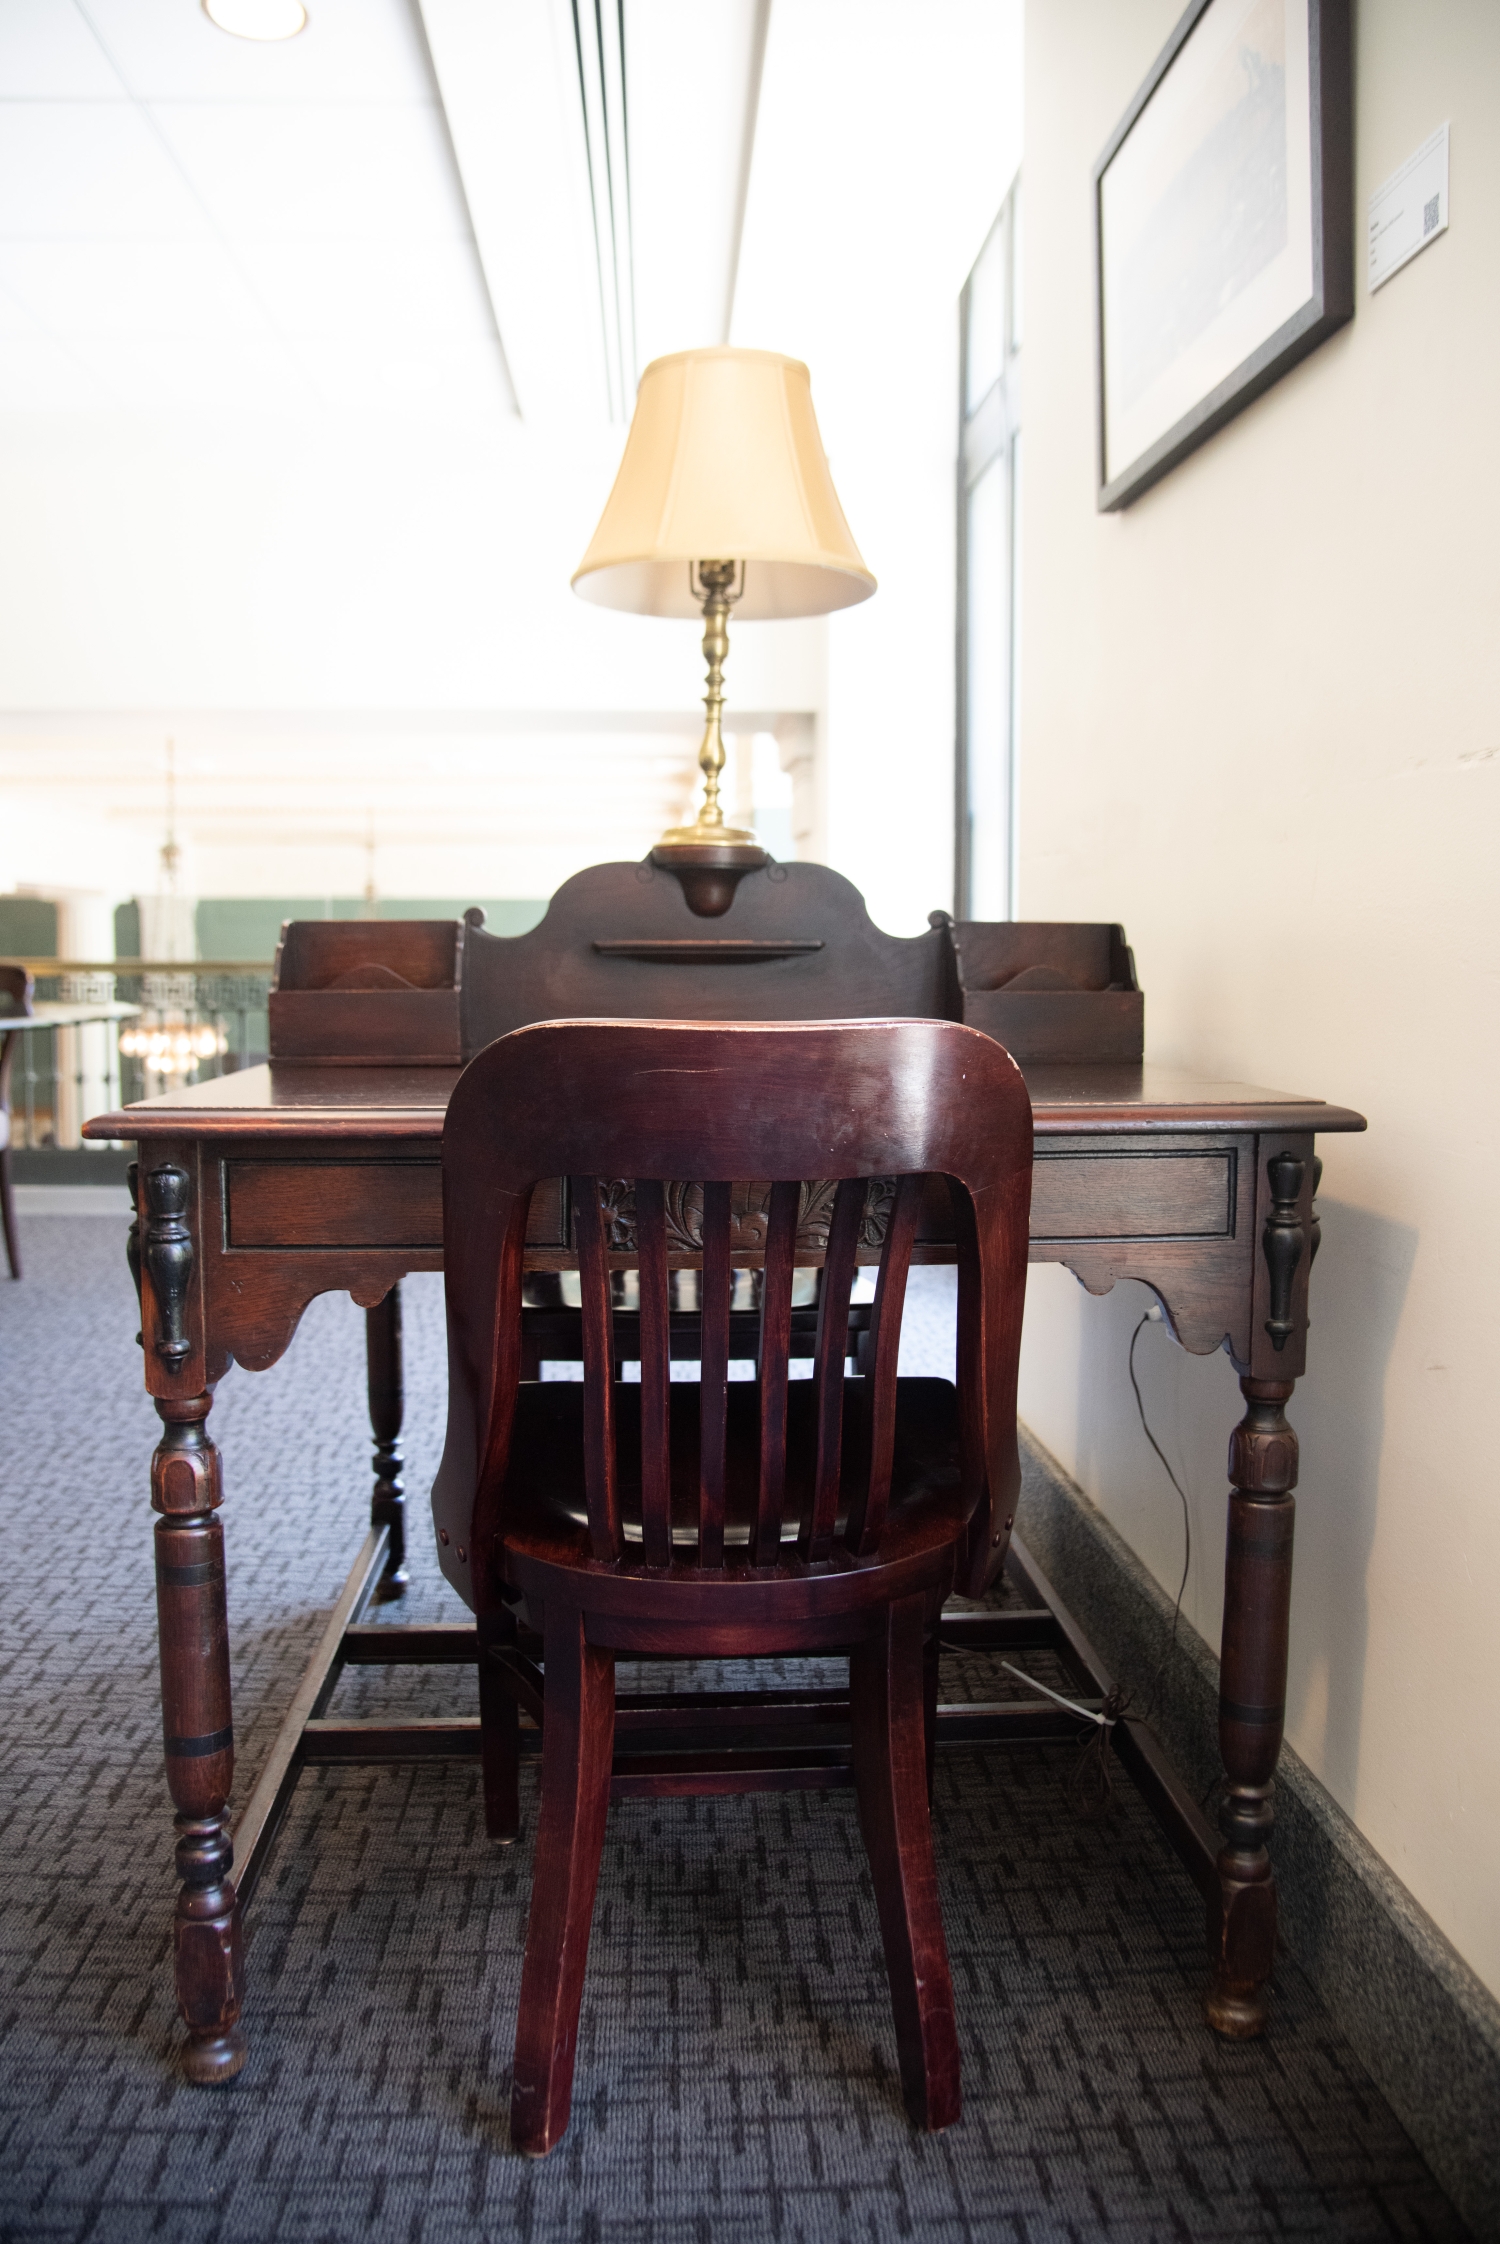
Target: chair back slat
[[656, 1373], [775, 1355], [600, 1481], [867, 1511], [830, 1350], [715, 1284]]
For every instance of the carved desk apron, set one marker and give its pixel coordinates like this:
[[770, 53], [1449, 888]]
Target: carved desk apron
[[263, 1189]]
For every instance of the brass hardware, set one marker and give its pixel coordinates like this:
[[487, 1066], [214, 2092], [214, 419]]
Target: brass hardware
[[714, 583]]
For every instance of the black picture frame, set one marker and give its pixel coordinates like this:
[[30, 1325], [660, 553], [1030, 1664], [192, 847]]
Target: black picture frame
[[1330, 149]]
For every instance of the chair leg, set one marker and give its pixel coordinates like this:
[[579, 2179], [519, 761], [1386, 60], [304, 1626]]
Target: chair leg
[[930, 1656], [577, 1753], [500, 1702], [499, 1752], [886, 1692], [8, 1214]]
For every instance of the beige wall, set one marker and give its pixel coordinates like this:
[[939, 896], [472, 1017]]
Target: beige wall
[[1261, 726]]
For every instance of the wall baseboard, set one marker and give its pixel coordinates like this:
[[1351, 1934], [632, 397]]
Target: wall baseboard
[[51, 1167], [75, 1199], [1421, 2021]]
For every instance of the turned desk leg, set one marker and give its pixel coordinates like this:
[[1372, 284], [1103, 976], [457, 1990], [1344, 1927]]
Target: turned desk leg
[[1252, 1701], [387, 1407], [196, 1720]]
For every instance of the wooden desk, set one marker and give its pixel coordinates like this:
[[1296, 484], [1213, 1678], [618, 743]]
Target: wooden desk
[[261, 1190]]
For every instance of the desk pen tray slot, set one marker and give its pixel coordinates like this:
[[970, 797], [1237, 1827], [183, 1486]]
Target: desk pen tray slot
[[351, 992]]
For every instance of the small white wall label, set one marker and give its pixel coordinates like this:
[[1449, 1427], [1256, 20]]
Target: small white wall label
[[1410, 210]]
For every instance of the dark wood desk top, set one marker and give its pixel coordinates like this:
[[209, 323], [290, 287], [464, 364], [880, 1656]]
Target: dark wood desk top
[[409, 1103]]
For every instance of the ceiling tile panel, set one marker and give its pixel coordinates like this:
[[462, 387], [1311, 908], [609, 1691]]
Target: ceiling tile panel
[[363, 288], [167, 290], [275, 227], [38, 375], [375, 172], [89, 170], [351, 50], [48, 53], [156, 374], [463, 375], [16, 319]]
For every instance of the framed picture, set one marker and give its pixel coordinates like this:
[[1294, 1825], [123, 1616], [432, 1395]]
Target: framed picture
[[1223, 227]]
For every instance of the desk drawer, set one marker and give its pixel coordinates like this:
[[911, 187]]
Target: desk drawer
[[1151, 1194], [281, 1204]]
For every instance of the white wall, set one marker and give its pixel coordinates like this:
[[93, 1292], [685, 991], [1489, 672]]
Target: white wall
[[345, 563], [325, 618], [1261, 726], [889, 136]]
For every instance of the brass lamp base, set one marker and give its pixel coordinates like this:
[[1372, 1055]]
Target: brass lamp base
[[709, 846], [706, 834], [709, 865]]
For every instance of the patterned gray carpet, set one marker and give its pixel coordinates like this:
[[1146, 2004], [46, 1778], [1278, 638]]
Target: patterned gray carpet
[[736, 2064]]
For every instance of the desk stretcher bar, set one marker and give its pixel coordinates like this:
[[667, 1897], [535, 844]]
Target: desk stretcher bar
[[727, 1742]]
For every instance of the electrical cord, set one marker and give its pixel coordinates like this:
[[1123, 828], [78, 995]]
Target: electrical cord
[[1153, 1316], [1091, 1783]]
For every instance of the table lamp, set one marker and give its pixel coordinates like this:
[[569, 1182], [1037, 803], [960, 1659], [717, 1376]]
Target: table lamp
[[723, 500]]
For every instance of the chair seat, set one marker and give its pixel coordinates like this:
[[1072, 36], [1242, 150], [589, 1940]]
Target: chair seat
[[547, 1519]]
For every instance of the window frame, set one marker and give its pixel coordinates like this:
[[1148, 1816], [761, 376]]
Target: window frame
[[988, 432]]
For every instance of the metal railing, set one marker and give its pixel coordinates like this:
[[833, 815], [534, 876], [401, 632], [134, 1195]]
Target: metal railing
[[192, 1021]]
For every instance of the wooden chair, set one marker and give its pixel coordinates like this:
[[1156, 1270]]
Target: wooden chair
[[728, 1520], [15, 1000]]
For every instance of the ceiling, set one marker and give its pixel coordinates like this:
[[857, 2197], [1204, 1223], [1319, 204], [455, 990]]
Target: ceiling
[[603, 249], [188, 219], [408, 206]]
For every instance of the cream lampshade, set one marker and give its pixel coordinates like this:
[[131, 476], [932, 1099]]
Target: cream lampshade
[[723, 500]]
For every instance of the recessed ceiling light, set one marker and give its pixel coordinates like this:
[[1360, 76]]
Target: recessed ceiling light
[[257, 19]]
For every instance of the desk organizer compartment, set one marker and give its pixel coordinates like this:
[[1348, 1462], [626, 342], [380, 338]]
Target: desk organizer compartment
[[1051, 989], [369, 990]]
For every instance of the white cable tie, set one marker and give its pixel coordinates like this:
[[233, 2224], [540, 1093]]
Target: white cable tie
[[1084, 1713]]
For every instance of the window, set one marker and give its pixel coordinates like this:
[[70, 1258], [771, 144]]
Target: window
[[989, 473]]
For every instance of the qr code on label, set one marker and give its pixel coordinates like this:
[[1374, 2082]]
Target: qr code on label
[[1430, 216]]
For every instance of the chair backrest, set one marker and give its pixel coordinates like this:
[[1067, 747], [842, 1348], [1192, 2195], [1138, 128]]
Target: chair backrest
[[15, 992], [657, 1103], [15, 1003]]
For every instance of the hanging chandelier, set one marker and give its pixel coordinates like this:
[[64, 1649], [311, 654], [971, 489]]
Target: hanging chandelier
[[164, 1040], [165, 1044]]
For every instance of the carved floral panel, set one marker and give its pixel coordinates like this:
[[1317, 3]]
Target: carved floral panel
[[749, 1216]]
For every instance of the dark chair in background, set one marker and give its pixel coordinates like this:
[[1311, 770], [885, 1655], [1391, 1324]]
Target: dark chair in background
[[15, 1000], [716, 1520]]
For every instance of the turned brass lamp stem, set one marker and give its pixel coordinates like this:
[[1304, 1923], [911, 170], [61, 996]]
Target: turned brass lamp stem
[[715, 578], [714, 583]]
